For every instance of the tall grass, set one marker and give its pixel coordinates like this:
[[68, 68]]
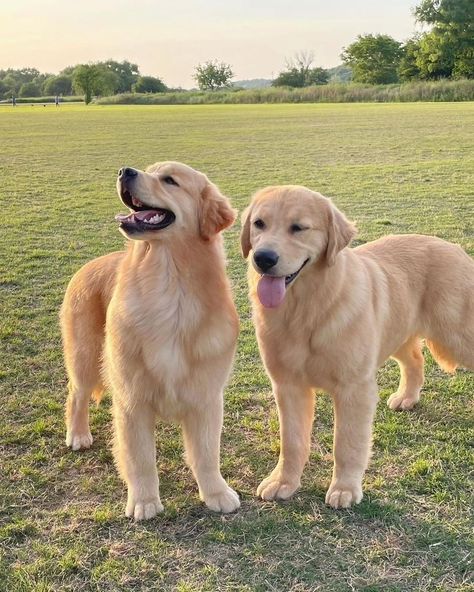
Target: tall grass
[[442, 90]]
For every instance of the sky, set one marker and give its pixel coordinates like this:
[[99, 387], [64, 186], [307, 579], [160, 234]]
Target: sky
[[168, 39]]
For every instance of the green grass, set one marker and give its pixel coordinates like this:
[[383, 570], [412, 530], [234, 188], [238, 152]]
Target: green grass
[[392, 168]]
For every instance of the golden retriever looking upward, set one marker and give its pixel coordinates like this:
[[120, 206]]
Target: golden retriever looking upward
[[327, 317], [161, 314]]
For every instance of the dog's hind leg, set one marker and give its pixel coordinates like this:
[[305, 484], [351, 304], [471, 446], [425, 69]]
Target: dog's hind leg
[[411, 361], [83, 368], [78, 434], [83, 337]]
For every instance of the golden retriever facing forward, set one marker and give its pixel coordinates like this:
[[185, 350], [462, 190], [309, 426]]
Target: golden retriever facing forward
[[162, 316], [327, 317]]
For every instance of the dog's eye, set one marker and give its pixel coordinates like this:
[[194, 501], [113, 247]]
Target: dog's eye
[[259, 223], [169, 181], [296, 228]]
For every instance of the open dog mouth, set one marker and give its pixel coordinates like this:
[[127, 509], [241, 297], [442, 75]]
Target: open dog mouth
[[271, 289], [143, 217]]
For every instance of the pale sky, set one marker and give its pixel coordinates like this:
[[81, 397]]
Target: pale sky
[[168, 39]]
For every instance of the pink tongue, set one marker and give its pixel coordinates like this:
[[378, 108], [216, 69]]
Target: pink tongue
[[141, 215], [271, 290]]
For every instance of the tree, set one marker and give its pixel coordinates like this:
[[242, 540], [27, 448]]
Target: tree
[[12, 84], [30, 89], [149, 84], [449, 15], [292, 77], [213, 75], [408, 67], [109, 80], [299, 72], [301, 62], [87, 77], [374, 59], [448, 50], [317, 76], [127, 74], [436, 56], [14, 79], [58, 85], [464, 64]]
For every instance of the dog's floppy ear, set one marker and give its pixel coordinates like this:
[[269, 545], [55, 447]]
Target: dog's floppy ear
[[216, 212], [340, 233], [245, 245]]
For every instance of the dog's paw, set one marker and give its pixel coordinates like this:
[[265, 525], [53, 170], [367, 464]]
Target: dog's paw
[[343, 496], [225, 501], [276, 488], [77, 441], [143, 510], [401, 402]]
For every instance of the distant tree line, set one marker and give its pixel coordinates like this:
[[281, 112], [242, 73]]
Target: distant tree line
[[446, 51], [101, 78]]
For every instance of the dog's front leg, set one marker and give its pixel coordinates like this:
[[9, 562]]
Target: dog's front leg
[[354, 410], [135, 456], [202, 432], [296, 413]]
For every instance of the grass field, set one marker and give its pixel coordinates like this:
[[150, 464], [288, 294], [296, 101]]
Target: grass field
[[394, 168]]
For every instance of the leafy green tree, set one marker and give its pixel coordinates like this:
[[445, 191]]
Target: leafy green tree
[[15, 78], [68, 70], [436, 56], [149, 84], [109, 80], [408, 68], [317, 76], [12, 84], [88, 79], [464, 64], [299, 72], [30, 89], [126, 72], [291, 77], [3, 90], [58, 85], [448, 50], [449, 15], [213, 75], [374, 59], [297, 79]]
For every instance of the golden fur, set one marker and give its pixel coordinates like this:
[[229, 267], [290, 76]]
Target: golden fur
[[161, 314], [344, 314]]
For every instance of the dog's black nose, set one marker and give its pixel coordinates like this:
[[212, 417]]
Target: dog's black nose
[[127, 172], [265, 259]]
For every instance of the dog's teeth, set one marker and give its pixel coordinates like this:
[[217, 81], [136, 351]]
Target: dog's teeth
[[156, 219]]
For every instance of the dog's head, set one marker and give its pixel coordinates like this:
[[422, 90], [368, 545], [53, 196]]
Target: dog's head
[[170, 198], [288, 228]]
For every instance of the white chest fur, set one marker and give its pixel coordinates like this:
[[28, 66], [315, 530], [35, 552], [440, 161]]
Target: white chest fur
[[162, 335]]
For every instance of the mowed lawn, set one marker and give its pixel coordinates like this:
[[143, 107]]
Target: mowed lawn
[[393, 168]]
